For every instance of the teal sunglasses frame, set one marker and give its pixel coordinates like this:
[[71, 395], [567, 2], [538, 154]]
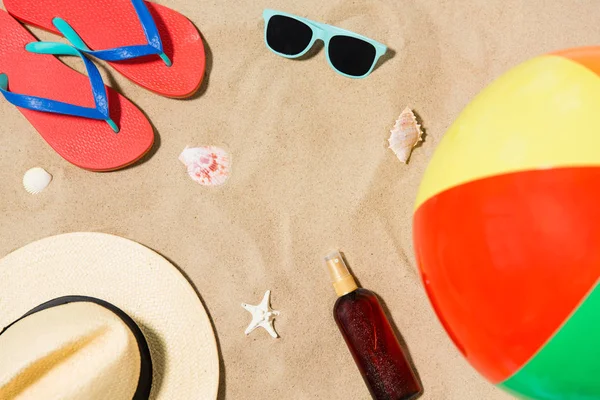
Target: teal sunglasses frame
[[324, 32]]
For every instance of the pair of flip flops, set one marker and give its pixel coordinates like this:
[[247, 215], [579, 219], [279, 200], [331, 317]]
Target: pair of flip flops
[[86, 122]]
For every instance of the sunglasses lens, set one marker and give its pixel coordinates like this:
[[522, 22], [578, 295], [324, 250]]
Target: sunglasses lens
[[288, 36], [352, 56]]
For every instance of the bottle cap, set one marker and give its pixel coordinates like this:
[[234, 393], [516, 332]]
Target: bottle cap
[[343, 281]]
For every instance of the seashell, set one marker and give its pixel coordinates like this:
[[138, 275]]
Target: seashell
[[405, 135], [208, 165], [36, 179]]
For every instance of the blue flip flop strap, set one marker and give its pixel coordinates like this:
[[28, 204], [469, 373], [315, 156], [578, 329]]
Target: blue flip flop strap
[[100, 112], [154, 46]]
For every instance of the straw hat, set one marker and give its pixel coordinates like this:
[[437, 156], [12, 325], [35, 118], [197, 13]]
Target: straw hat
[[135, 324]]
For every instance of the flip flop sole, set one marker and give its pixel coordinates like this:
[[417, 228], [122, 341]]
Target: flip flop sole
[[89, 144], [114, 23]]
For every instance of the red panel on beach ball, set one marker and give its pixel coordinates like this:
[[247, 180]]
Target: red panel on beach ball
[[506, 259]]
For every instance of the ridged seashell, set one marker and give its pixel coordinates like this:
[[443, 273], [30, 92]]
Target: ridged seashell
[[209, 165], [36, 179], [405, 135]]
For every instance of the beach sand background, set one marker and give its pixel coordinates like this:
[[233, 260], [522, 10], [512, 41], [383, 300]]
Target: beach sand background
[[311, 173]]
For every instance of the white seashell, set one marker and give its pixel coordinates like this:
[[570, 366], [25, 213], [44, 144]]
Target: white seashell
[[405, 135], [36, 179], [209, 165]]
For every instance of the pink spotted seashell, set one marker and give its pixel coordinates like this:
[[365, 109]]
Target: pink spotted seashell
[[208, 165], [405, 135]]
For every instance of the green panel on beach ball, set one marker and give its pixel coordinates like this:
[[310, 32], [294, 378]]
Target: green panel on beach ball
[[567, 367]]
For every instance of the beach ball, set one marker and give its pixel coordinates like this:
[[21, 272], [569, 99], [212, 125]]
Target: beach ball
[[507, 228]]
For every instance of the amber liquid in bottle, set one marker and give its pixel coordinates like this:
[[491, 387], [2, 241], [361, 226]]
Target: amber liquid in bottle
[[370, 338]]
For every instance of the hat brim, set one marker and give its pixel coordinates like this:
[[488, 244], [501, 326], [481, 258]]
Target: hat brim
[[135, 279]]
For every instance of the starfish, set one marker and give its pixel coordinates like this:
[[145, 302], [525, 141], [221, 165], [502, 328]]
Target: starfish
[[262, 315]]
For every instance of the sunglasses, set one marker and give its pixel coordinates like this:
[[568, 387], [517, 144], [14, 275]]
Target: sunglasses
[[348, 53]]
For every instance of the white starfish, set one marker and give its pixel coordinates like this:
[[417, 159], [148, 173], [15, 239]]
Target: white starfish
[[262, 315]]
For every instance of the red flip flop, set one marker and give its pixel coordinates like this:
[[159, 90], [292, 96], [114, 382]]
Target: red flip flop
[[79, 123], [130, 34]]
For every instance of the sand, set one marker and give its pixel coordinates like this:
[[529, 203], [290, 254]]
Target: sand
[[311, 173]]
